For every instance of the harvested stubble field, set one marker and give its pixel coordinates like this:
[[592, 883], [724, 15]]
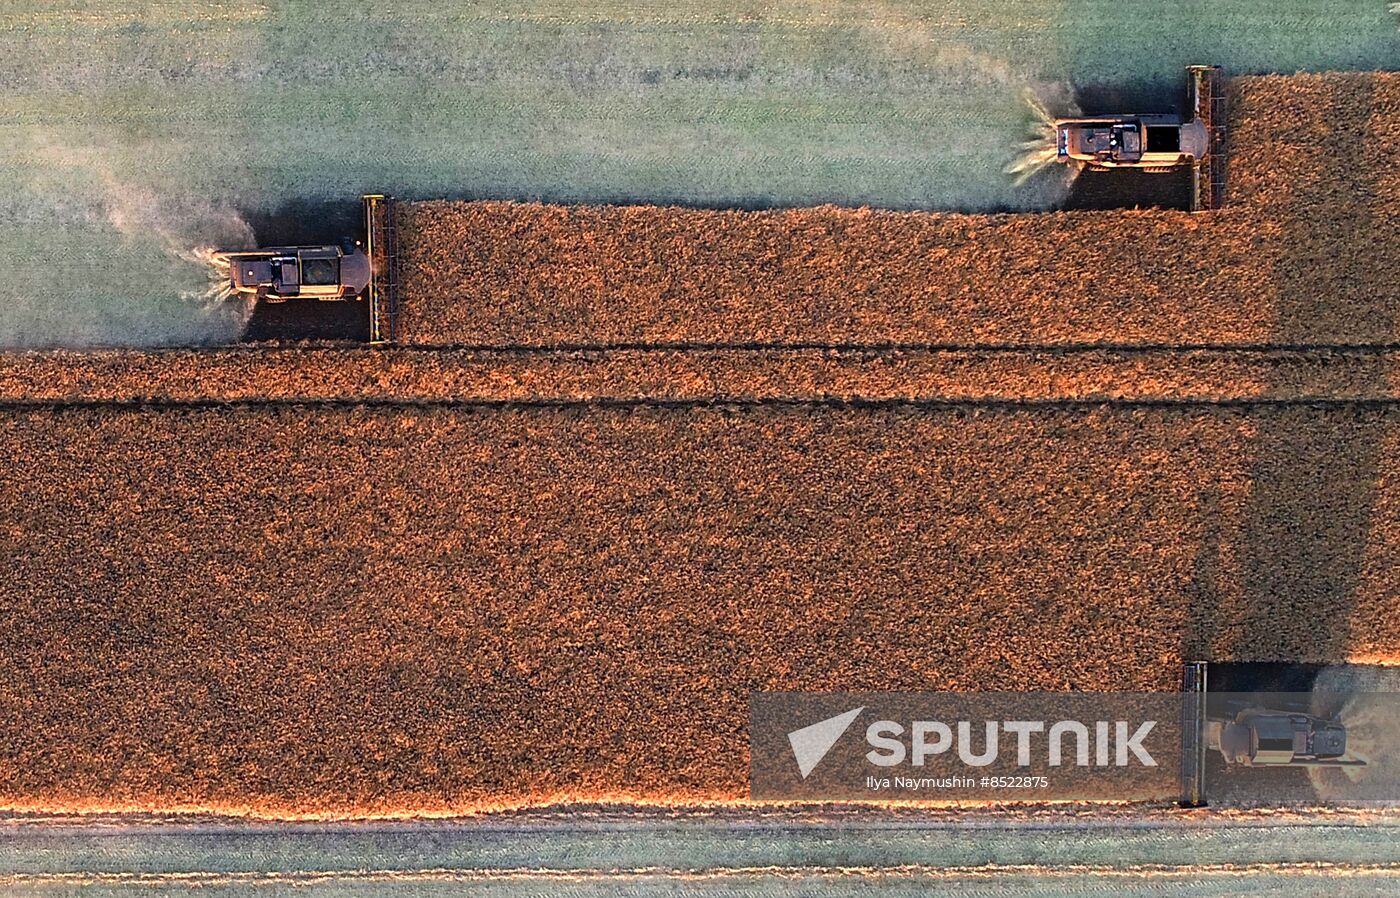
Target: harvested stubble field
[[124, 124], [1296, 258], [361, 610]]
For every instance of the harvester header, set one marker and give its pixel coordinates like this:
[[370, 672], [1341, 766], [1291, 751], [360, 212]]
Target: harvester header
[[382, 247], [1205, 92]]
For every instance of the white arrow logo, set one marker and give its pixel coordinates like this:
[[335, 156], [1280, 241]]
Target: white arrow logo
[[811, 743]]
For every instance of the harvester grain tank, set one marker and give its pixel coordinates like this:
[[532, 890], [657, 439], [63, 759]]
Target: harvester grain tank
[[1158, 141]]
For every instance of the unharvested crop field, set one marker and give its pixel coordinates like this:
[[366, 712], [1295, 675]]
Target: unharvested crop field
[[408, 377], [131, 130], [1298, 257], [304, 609]]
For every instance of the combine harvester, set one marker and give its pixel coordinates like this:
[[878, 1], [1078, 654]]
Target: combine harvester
[[1242, 732], [351, 270], [1159, 142]]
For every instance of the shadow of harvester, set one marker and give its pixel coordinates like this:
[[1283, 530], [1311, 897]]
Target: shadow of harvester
[[1301, 531]]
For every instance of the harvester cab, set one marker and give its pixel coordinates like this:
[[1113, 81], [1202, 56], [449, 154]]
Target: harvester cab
[[276, 274]]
